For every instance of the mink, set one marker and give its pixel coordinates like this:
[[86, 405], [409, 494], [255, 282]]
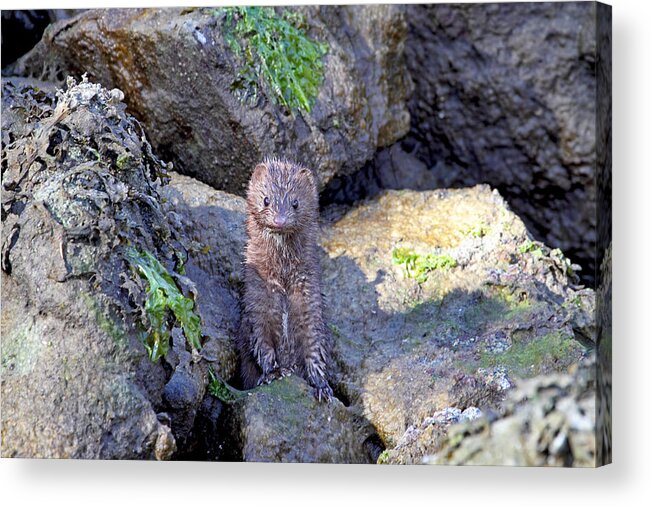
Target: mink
[[282, 330]]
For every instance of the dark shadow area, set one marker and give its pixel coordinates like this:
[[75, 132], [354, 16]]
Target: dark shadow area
[[22, 29]]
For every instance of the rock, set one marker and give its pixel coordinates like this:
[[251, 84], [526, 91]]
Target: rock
[[548, 421], [508, 99], [76, 379], [410, 344], [178, 72], [283, 422], [470, 414], [82, 202], [391, 168], [182, 395], [211, 223]]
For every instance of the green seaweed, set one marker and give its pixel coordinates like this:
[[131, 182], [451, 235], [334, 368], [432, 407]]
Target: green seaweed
[[419, 266], [122, 160], [220, 389], [383, 458], [530, 247], [164, 300], [277, 52]]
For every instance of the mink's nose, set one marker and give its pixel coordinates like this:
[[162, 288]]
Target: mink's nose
[[280, 221]]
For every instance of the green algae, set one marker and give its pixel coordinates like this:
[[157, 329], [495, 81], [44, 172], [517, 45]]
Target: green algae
[[220, 389], [419, 266], [20, 350], [478, 231], [164, 303], [383, 458], [107, 324], [276, 51], [530, 247]]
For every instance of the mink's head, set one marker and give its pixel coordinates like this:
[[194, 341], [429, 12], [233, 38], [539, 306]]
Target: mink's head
[[282, 197]]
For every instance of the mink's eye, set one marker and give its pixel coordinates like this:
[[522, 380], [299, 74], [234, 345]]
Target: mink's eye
[[266, 201], [295, 204]]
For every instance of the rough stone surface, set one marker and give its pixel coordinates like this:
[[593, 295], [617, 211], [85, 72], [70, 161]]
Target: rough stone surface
[[405, 349], [211, 223], [81, 186], [179, 85], [505, 94], [76, 380], [548, 421], [283, 422]]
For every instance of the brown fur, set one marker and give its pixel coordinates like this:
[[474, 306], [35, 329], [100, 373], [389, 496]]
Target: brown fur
[[282, 329]]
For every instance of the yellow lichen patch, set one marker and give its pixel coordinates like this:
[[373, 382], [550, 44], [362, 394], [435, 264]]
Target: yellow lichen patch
[[417, 218]]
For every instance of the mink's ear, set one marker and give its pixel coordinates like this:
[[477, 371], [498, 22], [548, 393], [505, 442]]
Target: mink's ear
[[308, 172], [259, 171], [310, 175]]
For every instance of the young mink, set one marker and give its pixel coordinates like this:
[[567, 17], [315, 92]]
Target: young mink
[[282, 329]]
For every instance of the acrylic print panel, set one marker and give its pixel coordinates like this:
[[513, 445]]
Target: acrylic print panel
[[342, 234]]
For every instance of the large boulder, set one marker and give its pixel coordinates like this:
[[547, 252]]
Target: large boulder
[[505, 94], [439, 301], [178, 72], [81, 206], [76, 381]]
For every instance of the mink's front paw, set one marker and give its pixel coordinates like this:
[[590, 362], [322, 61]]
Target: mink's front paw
[[269, 377], [275, 374], [286, 372], [324, 393]]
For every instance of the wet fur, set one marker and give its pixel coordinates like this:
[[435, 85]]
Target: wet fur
[[282, 329]]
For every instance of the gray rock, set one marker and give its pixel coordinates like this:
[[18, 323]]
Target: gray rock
[[178, 72], [212, 225], [469, 414], [283, 422], [406, 349]]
